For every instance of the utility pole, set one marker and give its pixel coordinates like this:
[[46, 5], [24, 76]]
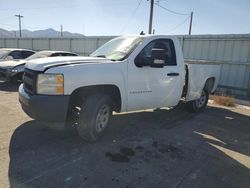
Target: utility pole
[[20, 28], [191, 22], [151, 16], [61, 30]]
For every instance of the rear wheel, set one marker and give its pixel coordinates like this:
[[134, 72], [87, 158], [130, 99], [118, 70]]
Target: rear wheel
[[199, 104], [94, 117]]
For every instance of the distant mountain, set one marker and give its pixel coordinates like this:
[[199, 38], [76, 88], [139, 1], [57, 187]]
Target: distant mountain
[[39, 33], [5, 33]]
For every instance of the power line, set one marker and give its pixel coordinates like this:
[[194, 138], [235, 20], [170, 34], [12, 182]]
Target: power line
[[179, 24], [171, 11], [131, 16], [178, 13], [158, 1]]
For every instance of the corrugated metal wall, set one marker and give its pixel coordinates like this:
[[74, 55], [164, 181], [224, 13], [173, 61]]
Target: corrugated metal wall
[[232, 51], [81, 46]]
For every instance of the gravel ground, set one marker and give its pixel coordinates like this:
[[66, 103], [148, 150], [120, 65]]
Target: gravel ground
[[165, 148]]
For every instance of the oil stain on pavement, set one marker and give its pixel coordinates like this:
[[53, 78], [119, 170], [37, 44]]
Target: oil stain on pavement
[[125, 153], [122, 156]]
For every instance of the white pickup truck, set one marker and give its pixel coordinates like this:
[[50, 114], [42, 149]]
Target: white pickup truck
[[128, 73]]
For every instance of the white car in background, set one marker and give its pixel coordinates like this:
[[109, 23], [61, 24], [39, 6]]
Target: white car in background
[[13, 53], [13, 69]]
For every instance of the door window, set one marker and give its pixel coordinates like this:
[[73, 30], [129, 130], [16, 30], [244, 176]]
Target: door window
[[26, 54], [16, 55], [161, 44]]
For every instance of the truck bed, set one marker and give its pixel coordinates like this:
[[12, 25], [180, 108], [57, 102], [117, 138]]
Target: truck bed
[[197, 73]]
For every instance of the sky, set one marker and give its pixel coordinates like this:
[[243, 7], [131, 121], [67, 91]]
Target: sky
[[121, 17]]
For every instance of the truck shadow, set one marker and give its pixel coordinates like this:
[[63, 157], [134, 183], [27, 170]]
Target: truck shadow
[[163, 149], [9, 86]]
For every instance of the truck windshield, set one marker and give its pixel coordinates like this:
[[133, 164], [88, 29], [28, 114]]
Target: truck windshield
[[117, 48], [3, 53]]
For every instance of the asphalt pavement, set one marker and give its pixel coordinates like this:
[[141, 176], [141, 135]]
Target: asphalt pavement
[[163, 148]]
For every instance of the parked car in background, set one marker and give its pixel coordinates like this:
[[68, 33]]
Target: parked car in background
[[13, 53], [14, 69]]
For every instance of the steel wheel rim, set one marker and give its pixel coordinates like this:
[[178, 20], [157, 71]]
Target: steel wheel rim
[[102, 118], [202, 100]]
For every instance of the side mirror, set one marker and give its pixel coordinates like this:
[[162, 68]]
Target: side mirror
[[9, 57], [141, 62], [158, 56]]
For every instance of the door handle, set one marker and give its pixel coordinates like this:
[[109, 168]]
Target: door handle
[[173, 74]]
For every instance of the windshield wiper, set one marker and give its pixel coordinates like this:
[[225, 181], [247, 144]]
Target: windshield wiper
[[101, 56]]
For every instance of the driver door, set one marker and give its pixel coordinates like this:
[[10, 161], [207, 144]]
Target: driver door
[[152, 86]]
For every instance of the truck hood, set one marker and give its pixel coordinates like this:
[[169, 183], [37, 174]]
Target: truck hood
[[45, 63], [12, 63]]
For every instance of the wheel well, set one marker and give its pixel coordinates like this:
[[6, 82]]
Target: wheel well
[[209, 85], [79, 95]]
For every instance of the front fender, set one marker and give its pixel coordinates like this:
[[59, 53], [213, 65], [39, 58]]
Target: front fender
[[91, 74]]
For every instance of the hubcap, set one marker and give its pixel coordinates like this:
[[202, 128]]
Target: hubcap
[[201, 101], [102, 118]]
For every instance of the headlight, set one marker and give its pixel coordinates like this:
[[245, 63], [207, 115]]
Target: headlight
[[50, 84], [19, 68]]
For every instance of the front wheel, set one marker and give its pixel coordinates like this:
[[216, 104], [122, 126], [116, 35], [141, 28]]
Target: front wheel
[[199, 104], [94, 117]]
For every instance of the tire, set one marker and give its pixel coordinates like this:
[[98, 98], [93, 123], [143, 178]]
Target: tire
[[94, 117], [72, 119], [199, 104]]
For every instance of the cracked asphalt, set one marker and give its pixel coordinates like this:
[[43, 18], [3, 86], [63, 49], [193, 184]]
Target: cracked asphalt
[[163, 148]]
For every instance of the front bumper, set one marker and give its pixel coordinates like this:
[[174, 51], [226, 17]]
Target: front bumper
[[44, 108]]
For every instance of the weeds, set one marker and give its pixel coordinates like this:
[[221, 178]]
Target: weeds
[[224, 100]]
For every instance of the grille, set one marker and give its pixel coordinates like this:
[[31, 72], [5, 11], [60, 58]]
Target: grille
[[29, 81]]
